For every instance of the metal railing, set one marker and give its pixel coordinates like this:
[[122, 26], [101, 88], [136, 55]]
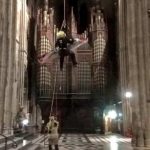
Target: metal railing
[[14, 145], [45, 137], [5, 140]]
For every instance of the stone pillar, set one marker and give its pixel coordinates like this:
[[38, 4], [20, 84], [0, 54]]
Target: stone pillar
[[134, 32], [9, 76], [133, 69], [141, 73], [123, 60], [14, 85], [146, 42], [21, 48], [16, 60], [4, 26]]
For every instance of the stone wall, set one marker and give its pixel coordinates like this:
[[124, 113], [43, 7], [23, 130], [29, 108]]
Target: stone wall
[[13, 61]]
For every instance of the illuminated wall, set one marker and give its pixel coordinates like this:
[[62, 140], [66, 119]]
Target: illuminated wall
[[99, 34], [44, 45], [22, 18], [83, 71], [13, 61]]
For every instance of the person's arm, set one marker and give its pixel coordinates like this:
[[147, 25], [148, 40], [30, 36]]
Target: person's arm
[[56, 49], [57, 123], [48, 126]]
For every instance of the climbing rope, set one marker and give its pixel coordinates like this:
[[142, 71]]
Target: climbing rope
[[64, 20], [55, 93], [54, 90], [59, 90]]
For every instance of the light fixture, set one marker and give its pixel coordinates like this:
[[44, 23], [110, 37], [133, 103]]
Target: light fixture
[[25, 121], [112, 114], [120, 114], [128, 94]]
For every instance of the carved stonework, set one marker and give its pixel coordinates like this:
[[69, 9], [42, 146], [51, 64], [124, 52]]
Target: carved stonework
[[84, 57]]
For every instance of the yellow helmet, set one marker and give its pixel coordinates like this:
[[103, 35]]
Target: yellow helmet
[[61, 34]]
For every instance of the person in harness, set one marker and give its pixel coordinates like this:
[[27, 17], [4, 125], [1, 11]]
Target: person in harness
[[62, 46]]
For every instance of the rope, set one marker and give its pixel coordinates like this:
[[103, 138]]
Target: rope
[[64, 10], [53, 97], [56, 107], [64, 21], [59, 90], [54, 91]]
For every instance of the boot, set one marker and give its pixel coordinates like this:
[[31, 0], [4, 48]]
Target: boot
[[50, 147], [56, 147], [73, 58], [61, 62]]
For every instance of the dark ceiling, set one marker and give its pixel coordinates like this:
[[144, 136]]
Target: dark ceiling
[[82, 10], [82, 13]]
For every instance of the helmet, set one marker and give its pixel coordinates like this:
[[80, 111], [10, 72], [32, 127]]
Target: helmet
[[60, 34]]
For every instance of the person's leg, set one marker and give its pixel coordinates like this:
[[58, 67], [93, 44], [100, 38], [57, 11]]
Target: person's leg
[[56, 147], [73, 58], [50, 147], [61, 61]]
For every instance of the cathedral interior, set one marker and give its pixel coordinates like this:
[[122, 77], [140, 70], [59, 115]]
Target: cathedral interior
[[87, 85], [106, 93]]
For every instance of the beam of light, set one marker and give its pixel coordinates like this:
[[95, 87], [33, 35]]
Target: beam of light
[[113, 143], [113, 146], [24, 142]]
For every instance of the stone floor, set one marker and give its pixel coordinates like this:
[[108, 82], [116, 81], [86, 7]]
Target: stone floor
[[91, 142]]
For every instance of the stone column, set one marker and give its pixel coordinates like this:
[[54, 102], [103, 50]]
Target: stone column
[[134, 32], [14, 49], [1, 52], [4, 26], [146, 30], [9, 75], [141, 71], [16, 61], [134, 70], [123, 59]]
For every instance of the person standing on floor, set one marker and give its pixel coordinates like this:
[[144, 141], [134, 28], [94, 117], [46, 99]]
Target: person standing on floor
[[52, 127]]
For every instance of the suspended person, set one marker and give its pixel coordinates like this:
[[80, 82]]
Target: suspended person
[[62, 46], [52, 127]]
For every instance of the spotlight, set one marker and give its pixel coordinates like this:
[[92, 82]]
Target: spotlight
[[25, 121], [128, 94], [112, 114]]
